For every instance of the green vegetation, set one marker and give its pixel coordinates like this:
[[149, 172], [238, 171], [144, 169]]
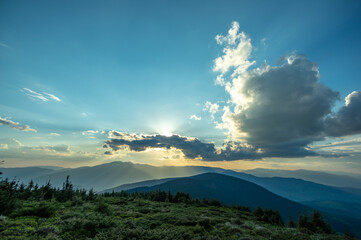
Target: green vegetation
[[33, 212]]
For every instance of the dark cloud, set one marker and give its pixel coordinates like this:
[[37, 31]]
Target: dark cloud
[[347, 121], [192, 148]]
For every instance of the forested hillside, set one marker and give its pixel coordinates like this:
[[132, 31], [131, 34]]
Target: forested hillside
[[33, 212]]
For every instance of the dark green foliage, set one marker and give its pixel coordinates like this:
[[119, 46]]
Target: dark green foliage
[[43, 209], [269, 216], [8, 196], [291, 223], [314, 223], [101, 206], [50, 213]]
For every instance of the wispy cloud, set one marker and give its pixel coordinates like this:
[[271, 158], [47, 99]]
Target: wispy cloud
[[92, 133], [15, 125], [195, 117], [211, 107], [3, 45], [51, 96], [40, 96]]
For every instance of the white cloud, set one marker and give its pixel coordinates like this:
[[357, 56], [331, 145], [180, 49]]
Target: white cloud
[[195, 117], [40, 96], [349, 97], [89, 132], [15, 125], [55, 134], [51, 96], [92, 133], [4, 146], [237, 50], [211, 107]]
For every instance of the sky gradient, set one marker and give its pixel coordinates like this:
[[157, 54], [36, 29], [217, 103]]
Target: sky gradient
[[235, 84]]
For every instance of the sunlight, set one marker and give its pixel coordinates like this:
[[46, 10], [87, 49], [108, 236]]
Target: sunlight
[[166, 131]]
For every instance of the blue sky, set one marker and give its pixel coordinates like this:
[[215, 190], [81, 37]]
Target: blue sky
[[146, 67]]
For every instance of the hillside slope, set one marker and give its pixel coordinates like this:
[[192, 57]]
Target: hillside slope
[[229, 190]]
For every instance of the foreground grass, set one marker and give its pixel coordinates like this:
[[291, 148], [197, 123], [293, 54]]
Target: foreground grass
[[135, 218]]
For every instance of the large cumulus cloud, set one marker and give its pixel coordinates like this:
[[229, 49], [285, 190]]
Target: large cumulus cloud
[[280, 110]]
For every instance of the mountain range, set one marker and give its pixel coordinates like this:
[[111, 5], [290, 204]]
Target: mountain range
[[335, 179], [271, 192], [235, 191]]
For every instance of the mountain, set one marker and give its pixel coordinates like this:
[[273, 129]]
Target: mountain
[[336, 180], [298, 190], [229, 190], [148, 183], [294, 189], [337, 207], [112, 175], [105, 175], [326, 198], [25, 174], [232, 190]]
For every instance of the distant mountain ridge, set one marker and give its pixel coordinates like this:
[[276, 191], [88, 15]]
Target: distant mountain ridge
[[111, 175], [336, 180], [103, 176]]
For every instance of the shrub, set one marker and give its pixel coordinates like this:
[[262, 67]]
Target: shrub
[[43, 209]]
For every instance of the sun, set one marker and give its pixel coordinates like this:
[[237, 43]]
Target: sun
[[166, 131], [164, 127]]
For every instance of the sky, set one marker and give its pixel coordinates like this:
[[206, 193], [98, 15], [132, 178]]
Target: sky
[[232, 84]]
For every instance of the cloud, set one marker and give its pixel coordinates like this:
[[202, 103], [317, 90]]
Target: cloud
[[192, 148], [3, 45], [237, 50], [51, 96], [40, 96], [278, 110], [4, 146], [89, 132], [15, 125], [347, 121], [55, 134], [10, 143], [195, 117], [61, 148], [263, 41], [211, 107], [92, 133]]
